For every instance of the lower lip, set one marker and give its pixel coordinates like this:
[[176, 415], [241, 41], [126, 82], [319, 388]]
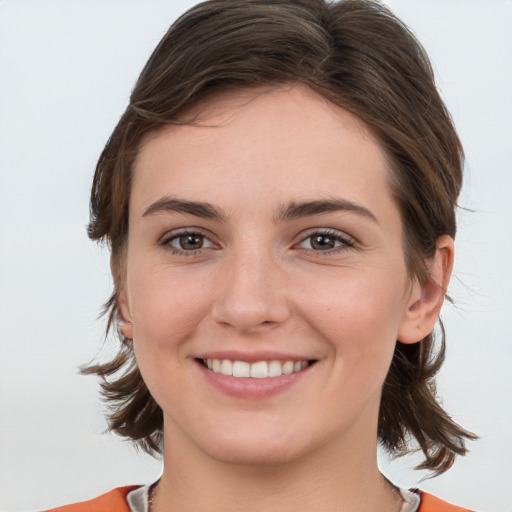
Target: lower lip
[[251, 388]]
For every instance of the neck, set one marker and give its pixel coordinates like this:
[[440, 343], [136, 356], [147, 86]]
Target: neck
[[332, 478]]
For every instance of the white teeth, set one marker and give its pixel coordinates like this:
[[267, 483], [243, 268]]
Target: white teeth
[[241, 369], [226, 367], [275, 369], [288, 367], [258, 370]]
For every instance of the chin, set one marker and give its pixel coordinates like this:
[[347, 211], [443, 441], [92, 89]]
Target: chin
[[263, 446], [252, 455]]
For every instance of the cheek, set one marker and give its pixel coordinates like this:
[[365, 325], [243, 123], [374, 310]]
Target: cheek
[[359, 316], [363, 305], [166, 312], [166, 306]]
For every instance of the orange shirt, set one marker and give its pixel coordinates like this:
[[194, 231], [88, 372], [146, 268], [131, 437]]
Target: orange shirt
[[115, 501]]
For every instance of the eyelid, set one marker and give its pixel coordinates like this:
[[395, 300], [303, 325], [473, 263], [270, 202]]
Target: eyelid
[[166, 239], [189, 230], [347, 240]]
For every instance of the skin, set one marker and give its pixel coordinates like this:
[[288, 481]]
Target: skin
[[254, 282]]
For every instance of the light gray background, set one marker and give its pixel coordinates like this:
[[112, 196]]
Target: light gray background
[[66, 70]]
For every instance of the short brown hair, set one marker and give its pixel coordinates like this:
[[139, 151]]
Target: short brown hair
[[356, 54]]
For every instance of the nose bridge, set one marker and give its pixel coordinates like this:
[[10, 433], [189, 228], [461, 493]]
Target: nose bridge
[[250, 294]]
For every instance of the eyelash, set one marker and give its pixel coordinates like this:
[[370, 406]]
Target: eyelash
[[170, 237], [345, 241]]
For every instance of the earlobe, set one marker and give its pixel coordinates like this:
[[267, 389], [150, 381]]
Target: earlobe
[[123, 311], [427, 298], [123, 314], [126, 328]]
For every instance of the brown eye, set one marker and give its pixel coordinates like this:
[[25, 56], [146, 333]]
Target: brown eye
[[190, 242], [327, 241], [322, 242], [187, 242]]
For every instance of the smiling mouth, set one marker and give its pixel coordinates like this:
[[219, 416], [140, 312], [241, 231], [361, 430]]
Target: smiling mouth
[[256, 370]]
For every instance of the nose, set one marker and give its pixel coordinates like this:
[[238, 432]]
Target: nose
[[251, 295]]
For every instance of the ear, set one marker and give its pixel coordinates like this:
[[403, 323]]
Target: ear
[[426, 298], [123, 310]]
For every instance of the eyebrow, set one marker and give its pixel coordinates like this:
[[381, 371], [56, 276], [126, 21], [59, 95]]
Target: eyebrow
[[296, 210], [173, 204]]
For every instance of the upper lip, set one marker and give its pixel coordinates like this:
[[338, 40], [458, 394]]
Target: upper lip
[[253, 357]]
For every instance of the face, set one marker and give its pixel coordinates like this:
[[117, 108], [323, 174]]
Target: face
[[265, 282]]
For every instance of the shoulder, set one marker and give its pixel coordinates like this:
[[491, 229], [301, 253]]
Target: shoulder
[[113, 501], [430, 503]]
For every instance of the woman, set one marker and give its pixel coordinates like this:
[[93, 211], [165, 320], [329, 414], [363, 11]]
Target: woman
[[279, 201]]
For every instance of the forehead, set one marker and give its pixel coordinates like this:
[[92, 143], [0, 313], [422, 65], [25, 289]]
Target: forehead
[[289, 140]]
